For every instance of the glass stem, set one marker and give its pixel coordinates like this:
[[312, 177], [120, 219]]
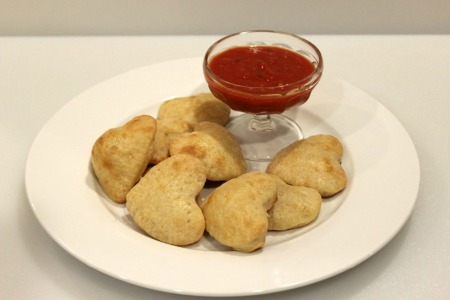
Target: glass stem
[[261, 123]]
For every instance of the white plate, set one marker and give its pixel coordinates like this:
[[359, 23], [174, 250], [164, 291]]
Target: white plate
[[380, 160]]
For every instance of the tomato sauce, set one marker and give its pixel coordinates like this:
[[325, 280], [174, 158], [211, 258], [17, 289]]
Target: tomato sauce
[[259, 79]]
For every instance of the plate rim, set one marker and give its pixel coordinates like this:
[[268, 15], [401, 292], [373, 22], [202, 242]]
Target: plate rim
[[65, 243]]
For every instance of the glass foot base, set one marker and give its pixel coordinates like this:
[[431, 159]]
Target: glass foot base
[[263, 136]]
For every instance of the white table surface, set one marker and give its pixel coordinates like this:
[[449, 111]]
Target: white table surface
[[408, 74]]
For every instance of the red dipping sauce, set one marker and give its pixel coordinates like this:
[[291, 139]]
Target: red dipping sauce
[[261, 79]]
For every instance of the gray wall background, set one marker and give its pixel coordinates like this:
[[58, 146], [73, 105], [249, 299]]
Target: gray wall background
[[183, 17]]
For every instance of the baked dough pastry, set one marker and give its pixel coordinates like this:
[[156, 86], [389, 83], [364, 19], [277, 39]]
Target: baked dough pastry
[[216, 147], [166, 130], [296, 206], [120, 156], [163, 203], [236, 212], [314, 162], [196, 109]]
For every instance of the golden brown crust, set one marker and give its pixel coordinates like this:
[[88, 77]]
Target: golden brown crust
[[236, 212], [163, 202], [120, 156], [167, 129], [313, 162], [216, 147], [296, 206], [187, 145], [195, 109]]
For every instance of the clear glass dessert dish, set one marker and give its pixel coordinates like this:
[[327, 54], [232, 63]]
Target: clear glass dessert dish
[[262, 74]]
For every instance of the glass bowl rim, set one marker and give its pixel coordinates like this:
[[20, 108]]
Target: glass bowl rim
[[287, 88]]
